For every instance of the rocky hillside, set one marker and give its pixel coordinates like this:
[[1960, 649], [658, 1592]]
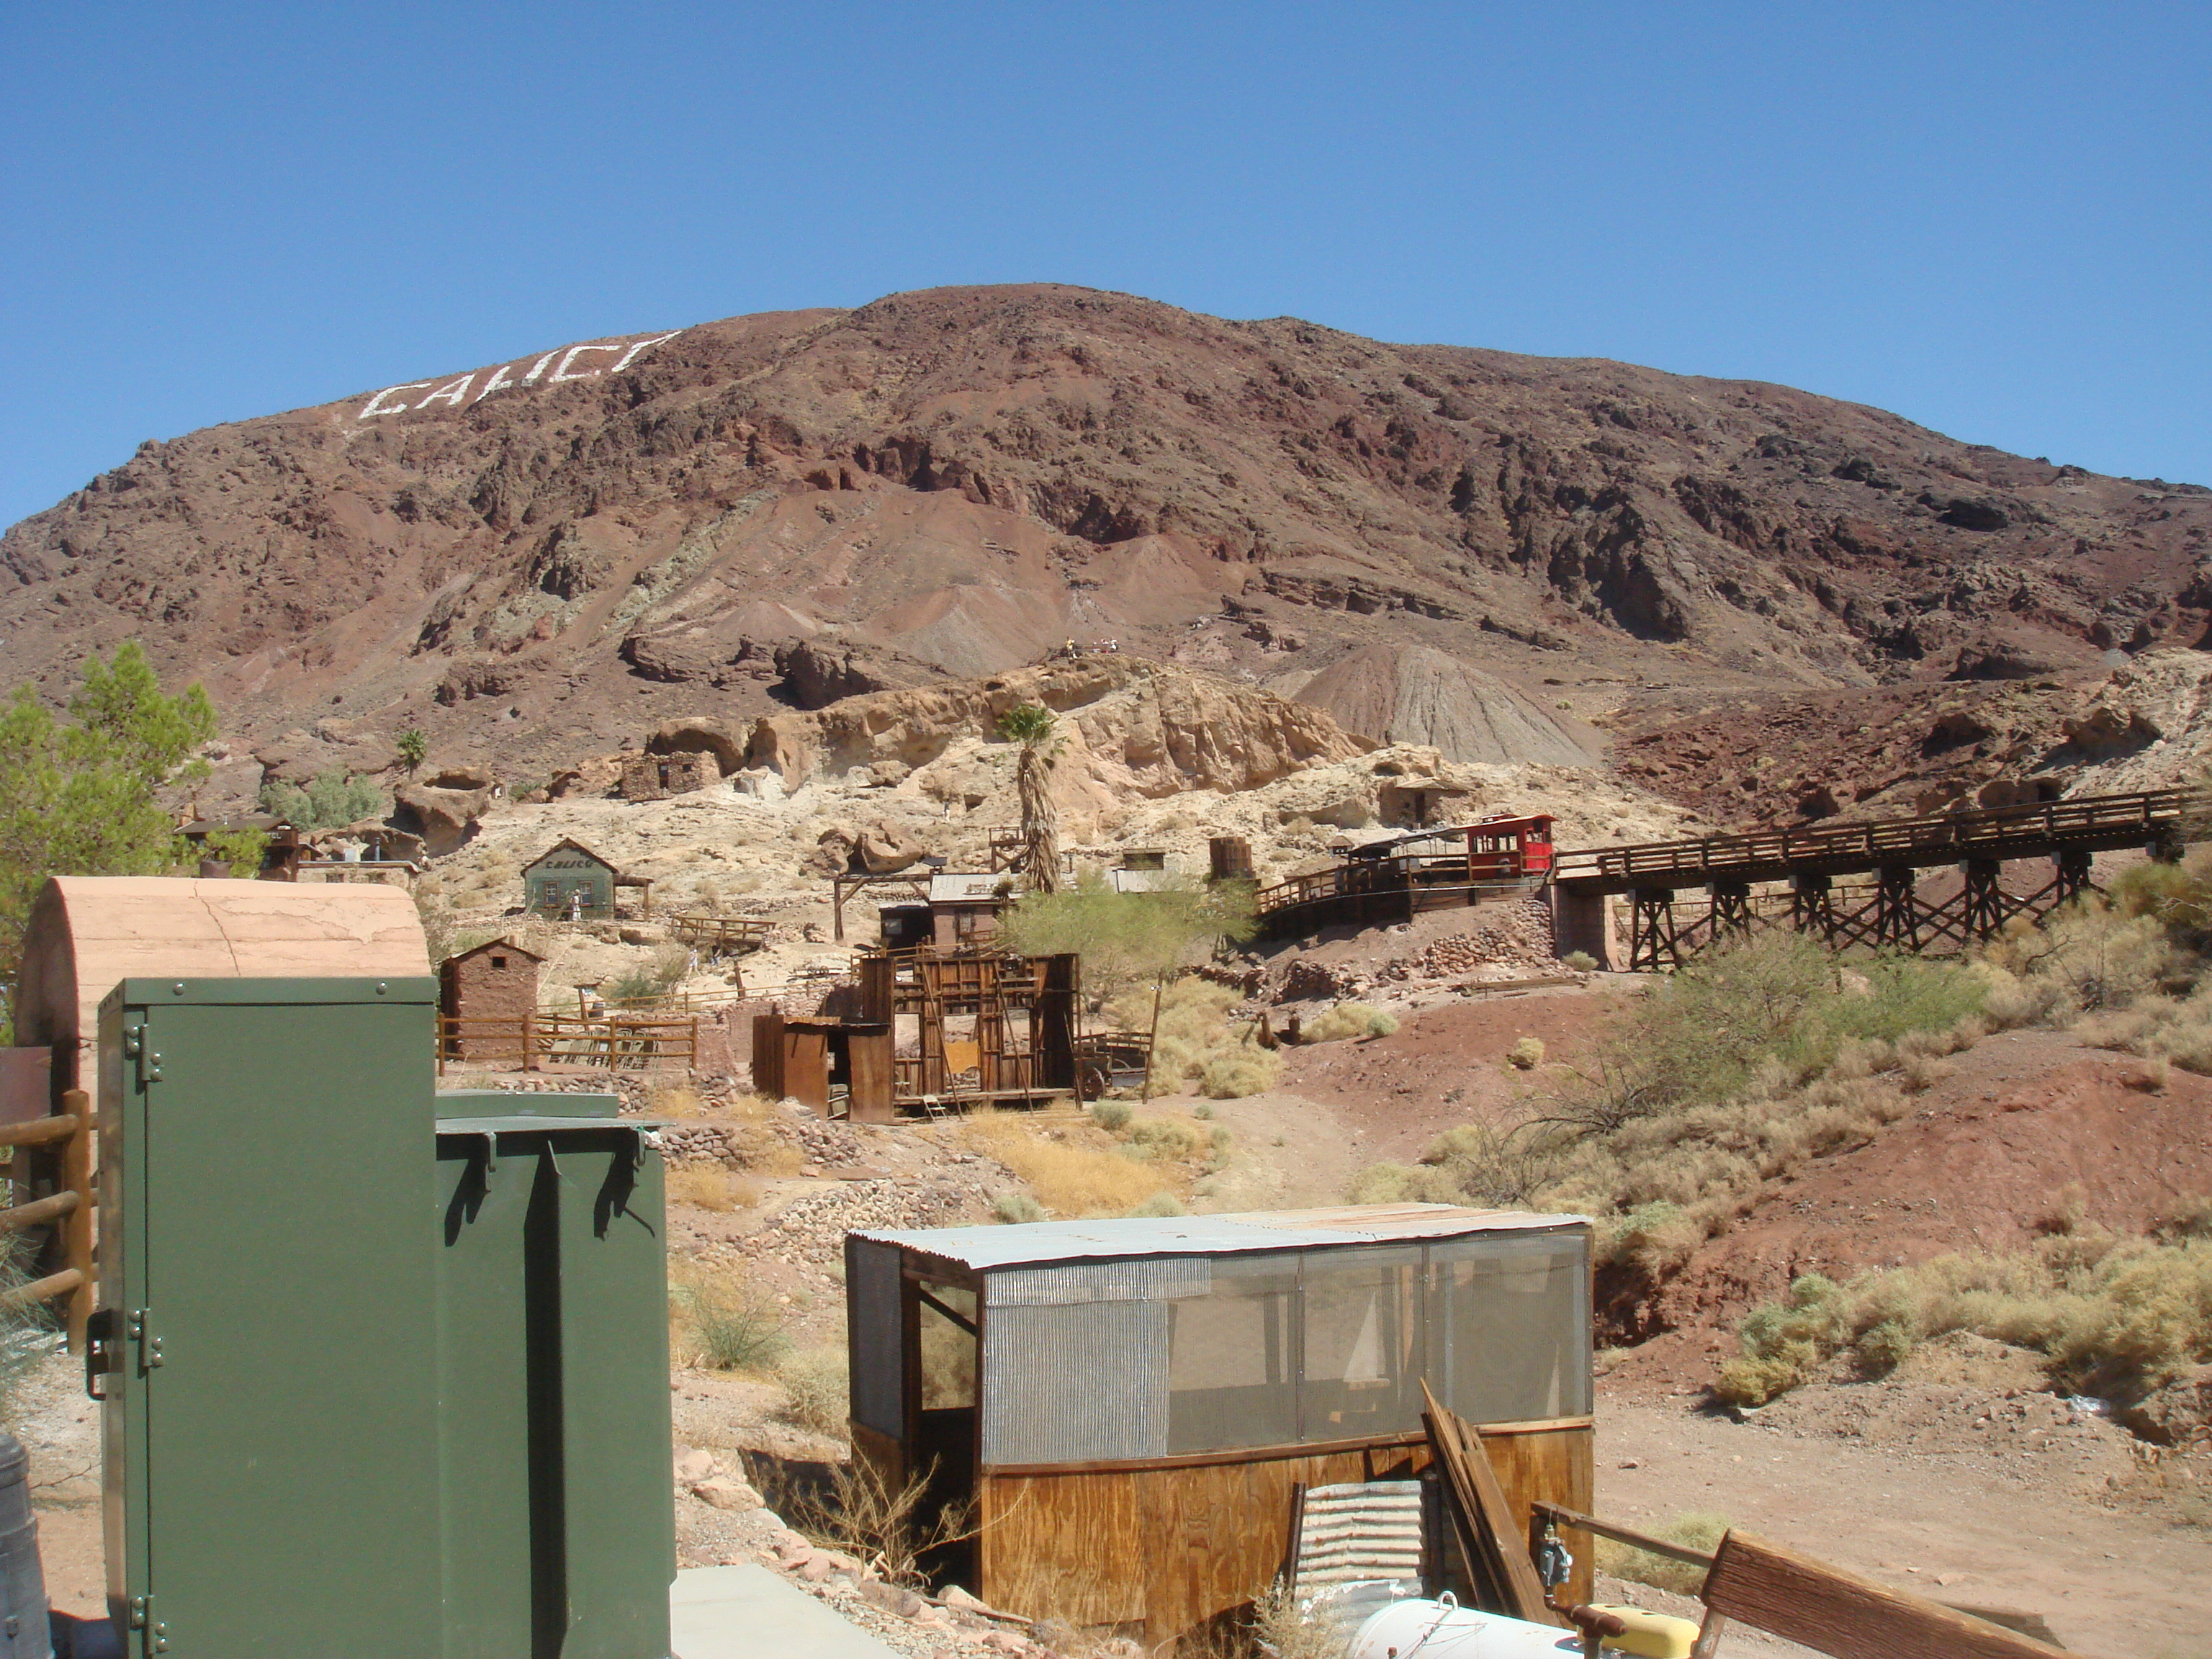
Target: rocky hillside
[[534, 559]]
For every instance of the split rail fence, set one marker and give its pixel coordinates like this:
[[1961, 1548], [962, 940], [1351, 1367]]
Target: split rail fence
[[55, 1151]]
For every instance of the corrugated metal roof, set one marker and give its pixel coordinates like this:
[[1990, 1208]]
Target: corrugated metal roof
[[1358, 1533], [985, 1248], [958, 888]]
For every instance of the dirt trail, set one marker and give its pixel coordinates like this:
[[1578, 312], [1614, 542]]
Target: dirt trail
[[1994, 1527]]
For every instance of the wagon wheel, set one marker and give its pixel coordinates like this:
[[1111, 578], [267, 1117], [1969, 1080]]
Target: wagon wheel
[[1090, 1081]]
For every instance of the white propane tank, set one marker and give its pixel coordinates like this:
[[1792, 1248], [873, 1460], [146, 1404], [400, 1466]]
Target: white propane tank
[[1444, 1630]]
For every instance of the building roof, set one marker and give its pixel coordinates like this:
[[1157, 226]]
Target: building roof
[[1145, 881], [969, 888], [494, 944], [568, 841], [1039, 1242]]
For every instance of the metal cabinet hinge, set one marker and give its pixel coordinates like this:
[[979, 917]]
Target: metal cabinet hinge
[[140, 1331], [153, 1634], [149, 1060]]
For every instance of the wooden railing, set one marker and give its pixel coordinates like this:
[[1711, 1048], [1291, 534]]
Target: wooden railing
[[71, 1206], [617, 1042], [720, 935], [1906, 840]]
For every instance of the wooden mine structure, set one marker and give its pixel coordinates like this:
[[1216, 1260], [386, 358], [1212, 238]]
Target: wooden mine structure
[[1807, 861], [1396, 878], [1135, 1407], [923, 1029]]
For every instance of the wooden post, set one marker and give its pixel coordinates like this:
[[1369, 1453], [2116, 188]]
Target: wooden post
[[77, 1230], [528, 1048], [1159, 989]]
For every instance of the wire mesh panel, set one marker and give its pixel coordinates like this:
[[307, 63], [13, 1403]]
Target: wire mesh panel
[[1362, 1348], [1510, 1319], [871, 1315], [1078, 1383], [1232, 1363]]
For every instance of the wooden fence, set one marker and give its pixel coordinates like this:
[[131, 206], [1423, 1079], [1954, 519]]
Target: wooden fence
[[67, 1136], [533, 1041]]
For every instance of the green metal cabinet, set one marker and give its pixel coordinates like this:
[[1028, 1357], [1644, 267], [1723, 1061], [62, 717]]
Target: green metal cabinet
[[268, 1285], [554, 1378], [385, 1373]]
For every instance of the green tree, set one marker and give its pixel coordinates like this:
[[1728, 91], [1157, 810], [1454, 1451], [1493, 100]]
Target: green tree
[[414, 748], [80, 797], [328, 801], [1129, 940], [1032, 727]]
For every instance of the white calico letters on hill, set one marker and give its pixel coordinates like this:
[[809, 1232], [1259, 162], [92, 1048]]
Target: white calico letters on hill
[[567, 364]]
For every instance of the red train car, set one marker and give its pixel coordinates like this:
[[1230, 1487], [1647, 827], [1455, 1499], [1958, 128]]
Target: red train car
[[1495, 849]]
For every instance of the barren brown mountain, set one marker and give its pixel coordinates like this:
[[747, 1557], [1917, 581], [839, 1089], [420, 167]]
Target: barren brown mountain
[[534, 560]]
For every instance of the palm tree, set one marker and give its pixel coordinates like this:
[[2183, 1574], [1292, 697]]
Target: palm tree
[[1032, 727]]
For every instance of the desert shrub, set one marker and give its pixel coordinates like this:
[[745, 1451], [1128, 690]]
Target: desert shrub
[[1698, 1530], [1246, 1069], [888, 1525], [1159, 1204], [1281, 1627], [2109, 1316], [1112, 1115], [1655, 1237], [1401, 1183], [1164, 1136], [1767, 1012], [722, 1323], [1193, 1027], [2092, 955], [1017, 1209], [711, 1187], [1347, 1019], [1582, 962], [1070, 1176], [815, 1392], [1526, 1054], [2178, 896], [25, 1328]]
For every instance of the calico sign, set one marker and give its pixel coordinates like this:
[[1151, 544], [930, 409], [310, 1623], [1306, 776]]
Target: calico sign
[[574, 362]]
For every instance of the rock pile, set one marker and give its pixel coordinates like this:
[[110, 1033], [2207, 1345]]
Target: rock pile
[[813, 1227], [1510, 940]]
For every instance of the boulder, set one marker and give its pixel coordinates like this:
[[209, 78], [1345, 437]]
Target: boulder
[[892, 1598], [723, 1493], [884, 850], [698, 734], [465, 777], [694, 1466], [2175, 1413], [445, 819]]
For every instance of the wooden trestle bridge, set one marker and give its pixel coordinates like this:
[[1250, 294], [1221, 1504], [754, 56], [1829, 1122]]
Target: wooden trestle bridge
[[1809, 861]]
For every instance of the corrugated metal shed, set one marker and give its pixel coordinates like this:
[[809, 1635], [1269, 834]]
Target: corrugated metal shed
[[1034, 1242], [967, 889]]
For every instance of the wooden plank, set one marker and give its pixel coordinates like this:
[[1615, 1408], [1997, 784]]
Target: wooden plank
[[1776, 1589], [39, 1211], [1474, 1483], [1574, 1521]]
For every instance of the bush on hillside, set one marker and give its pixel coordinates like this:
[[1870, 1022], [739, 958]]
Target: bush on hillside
[[2111, 1315], [1347, 1019]]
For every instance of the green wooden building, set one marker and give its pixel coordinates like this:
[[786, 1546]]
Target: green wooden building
[[570, 879]]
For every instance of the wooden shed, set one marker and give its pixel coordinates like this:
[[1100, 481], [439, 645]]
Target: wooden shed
[[570, 879], [1134, 1405], [484, 996], [963, 908]]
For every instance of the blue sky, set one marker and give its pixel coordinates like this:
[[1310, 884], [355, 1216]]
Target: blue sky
[[1991, 218]]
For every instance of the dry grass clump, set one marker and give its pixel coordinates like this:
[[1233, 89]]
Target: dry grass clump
[[720, 1321], [887, 1525], [2111, 1315], [1281, 1627], [1072, 1172], [816, 1395], [1246, 1069], [1698, 1530], [1526, 1055], [711, 1187], [1347, 1019]]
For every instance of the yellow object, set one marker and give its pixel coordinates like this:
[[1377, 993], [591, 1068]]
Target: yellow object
[[1651, 1635]]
